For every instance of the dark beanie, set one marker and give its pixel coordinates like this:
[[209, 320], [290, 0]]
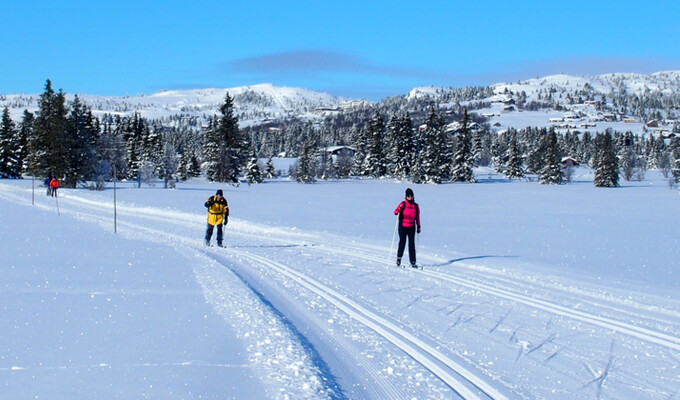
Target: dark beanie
[[219, 192], [409, 192]]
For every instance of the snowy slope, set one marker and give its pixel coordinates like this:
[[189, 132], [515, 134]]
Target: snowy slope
[[263, 103], [252, 103], [529, 292]]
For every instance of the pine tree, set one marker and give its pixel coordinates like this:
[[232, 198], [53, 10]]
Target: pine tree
[[81, 134], [169, 164], [225, 145], [435, 153], [462, 160], [360, 143], [270, 171], [499, 152], [253, 173], [675, 159], [306, 166], [111, 155], [514, 169], [551, 173], [10, 164], [375, 164], [134, 130], [48, 151], [25, 131], [402, 150], [606, 162]]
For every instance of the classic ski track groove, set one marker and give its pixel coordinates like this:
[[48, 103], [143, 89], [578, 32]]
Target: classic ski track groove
[[420, 351], [622, 327]]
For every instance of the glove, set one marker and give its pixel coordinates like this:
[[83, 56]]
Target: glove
[[418, 230], [226, 221]]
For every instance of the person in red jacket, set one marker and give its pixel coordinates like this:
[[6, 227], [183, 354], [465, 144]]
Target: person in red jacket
[[54, 185], [409, 223]]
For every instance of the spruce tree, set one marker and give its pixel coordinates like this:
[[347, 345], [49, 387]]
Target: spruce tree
[[606, 162], [375, 164], [10, 163], [551, 173], [134, 130], [435, 154], [253, 173], [306, 166], [462, 160], [360, 143], [270, 171], [169, 164], [25, 132], [514, 169], [675, 159], [225, 147], [48, 151], [402, 149], [81, 134], [499, 152]]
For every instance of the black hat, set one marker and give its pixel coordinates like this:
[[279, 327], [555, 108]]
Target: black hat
[[409, 192], [219, 192]]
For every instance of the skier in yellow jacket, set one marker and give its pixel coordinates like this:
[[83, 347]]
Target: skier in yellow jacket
[[218, 215]]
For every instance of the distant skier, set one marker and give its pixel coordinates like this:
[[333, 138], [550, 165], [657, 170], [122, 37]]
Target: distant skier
[[218, 215], [409, 223], [54, 185], [47, 185]]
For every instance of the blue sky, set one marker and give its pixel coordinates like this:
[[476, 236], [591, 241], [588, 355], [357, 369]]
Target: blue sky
[[359, 49]]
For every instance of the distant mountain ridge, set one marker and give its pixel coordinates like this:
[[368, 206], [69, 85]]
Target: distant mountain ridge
[[258, 104]]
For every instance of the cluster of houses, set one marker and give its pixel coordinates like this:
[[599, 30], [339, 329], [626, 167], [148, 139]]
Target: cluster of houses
[[665, 128]]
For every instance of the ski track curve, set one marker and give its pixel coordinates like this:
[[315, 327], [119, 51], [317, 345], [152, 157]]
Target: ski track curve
[[436, 362]]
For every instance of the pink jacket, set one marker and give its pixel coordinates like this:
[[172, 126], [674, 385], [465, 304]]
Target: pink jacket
[[409, 213]]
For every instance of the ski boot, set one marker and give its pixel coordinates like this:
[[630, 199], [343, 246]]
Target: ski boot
[[413, 265], [398, 261]]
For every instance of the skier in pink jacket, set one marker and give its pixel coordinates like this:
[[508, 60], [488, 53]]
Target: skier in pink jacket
[[409, 223]]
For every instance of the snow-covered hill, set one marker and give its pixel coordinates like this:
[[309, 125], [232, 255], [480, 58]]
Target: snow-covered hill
[[578, 98], [254, 104]]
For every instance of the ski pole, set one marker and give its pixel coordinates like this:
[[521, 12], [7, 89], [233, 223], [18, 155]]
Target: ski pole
[[394, 235]]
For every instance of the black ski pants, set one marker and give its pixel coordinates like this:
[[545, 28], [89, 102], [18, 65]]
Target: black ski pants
[[209, 232], [410, 232]]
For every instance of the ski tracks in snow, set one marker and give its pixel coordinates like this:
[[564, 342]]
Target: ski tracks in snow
[[460, 378]]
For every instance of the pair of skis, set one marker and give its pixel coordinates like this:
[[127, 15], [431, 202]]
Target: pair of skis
[[420, 267]]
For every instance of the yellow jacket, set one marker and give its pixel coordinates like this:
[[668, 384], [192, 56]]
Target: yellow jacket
[[218, 210]]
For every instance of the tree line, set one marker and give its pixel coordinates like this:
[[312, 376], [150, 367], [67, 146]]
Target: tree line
[[70, 143]]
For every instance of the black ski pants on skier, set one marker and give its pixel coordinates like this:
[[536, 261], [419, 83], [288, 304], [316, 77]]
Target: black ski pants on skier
[[209, 232], [410, 232]]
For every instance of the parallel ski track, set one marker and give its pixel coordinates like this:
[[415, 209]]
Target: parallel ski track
[[442, 366], [641, 333]]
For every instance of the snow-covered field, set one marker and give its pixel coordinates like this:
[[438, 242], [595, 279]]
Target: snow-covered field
[[528, 292]]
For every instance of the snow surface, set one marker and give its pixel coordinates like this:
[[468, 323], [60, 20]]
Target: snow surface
[[528, 291]]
